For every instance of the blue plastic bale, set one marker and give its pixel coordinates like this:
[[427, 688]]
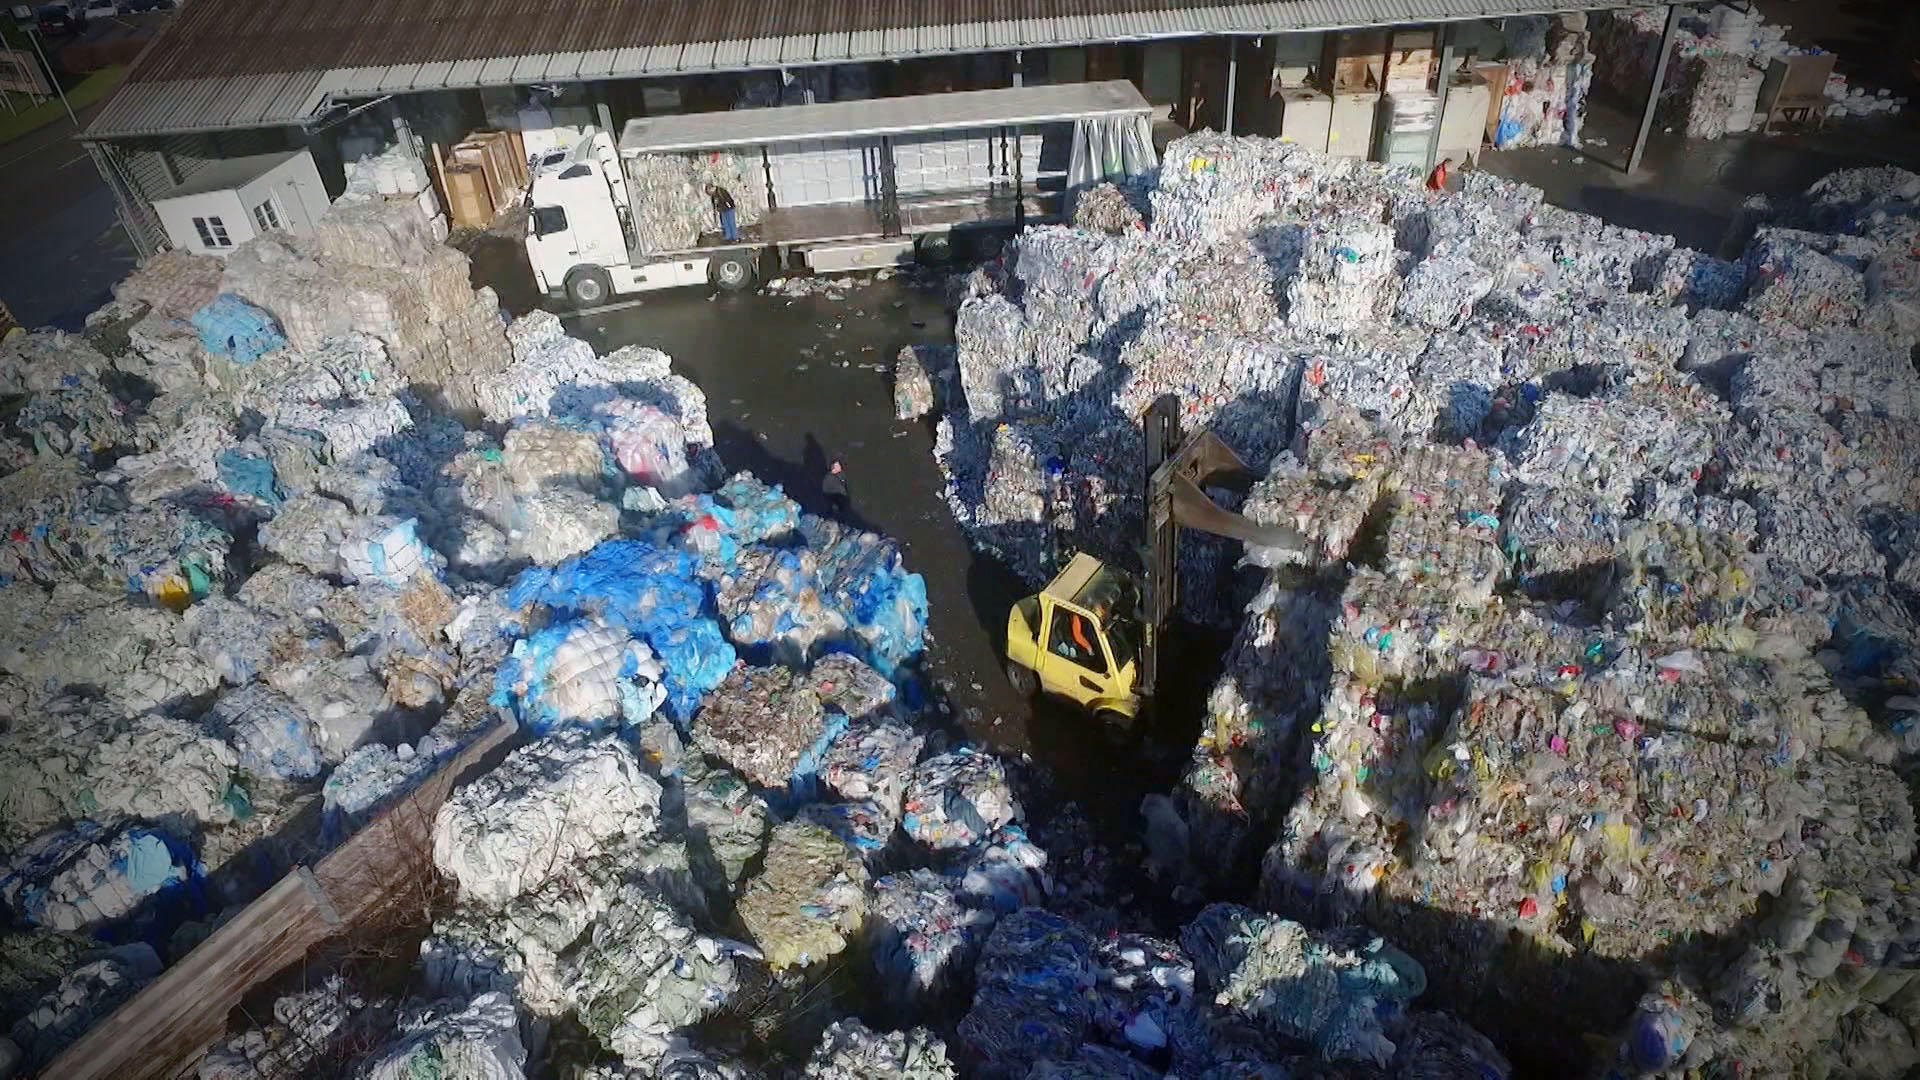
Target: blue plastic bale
[[229, 326], [862, 576], [652, 592]]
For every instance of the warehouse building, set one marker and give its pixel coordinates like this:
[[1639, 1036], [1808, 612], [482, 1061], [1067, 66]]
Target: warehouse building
[[236, 79]]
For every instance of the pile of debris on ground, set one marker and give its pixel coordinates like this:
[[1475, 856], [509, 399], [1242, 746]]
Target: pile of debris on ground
[[1595, 676], [287, 533]]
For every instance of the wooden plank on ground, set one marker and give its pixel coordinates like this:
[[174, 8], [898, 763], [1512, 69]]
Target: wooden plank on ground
[[181, 1014]]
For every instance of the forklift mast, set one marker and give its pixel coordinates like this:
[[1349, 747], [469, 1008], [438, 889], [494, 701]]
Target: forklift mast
[[1177, 474]]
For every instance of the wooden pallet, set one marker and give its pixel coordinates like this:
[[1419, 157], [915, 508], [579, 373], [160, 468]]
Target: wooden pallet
[[165, 1029]]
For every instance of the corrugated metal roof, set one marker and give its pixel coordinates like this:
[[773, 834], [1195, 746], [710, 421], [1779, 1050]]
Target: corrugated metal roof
[[881, 116], [214, 52]]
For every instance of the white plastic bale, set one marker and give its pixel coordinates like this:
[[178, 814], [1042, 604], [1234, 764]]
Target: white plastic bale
[[44, 762], [44, 360], [650, 446], [161, 769], [174, 284], [1441, 291], [539, 456], [555, 524], [991, 335], [308, 531], [644, 973], [476, 1040], [550, 803], [1346, 279], [849, 1050], [307, 1026], [271, 736], [83, 997], [1789, 280]]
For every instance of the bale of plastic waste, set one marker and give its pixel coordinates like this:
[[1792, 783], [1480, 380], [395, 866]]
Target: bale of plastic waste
[[921, 936], [1339, 991], [809, 899], [769, 602], [308, 1026], [849, 1050], [367, 780], [957, 799], [872, 761], [1141, 984], [479, 1039], [1031, 1001], [92, 877], [44, 761], [163, 769], [231, 327], [84, 996], [549, 803], [644, 973], [1105, 208], [1092, 1060], [579, 673], [864, 578], [912, 385], [760, 721], [727, 824]]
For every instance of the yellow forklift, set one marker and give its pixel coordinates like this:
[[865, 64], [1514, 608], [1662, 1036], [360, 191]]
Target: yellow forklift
[[1092, 635]]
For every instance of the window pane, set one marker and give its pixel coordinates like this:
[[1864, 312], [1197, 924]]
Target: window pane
[[219, 232], [206, 235], [548, 220], [1072, 637]]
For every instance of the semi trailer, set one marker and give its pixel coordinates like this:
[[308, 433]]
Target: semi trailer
[[846, 186]]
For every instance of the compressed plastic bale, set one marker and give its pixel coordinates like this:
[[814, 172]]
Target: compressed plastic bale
[[579, 673], [1667, 571], [1005, 872], [550, 802], [1337, 991], [386, 552], [1346, 279], [271, 736], [44, 761], [1141, 986], [1605, 446], [367, 780], [174, 284], [1445, 518], [648, 589], [540, 456], [650, 445], [809, 899], [307, 1026], [1031, 1000], [1701, 281], [84, 996], [231, 327], [920, 936], [865, 579], [541, 380], [872, 761], [309, 531], [477, 1040], [956, 799], [1369, 368], [760, 721], [865, 827], [991, 333], [1797, 283], [69, 528], [849, 1050], [1440, 292], [727, 824], [92, 878], [556, 524], [770, 603], [1816, 538], [852, 688], [1440, 1046], [163, 769], [912, 385], [129, 654]]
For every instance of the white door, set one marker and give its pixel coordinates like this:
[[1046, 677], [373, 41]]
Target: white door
[[820, 171]]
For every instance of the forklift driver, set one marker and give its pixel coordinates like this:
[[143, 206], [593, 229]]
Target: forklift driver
[[1077, 645]]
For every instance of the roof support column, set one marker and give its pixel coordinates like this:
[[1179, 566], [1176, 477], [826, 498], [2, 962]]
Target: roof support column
[[1233, 79], [1440, 89], [1019, 68], [1653, 90]]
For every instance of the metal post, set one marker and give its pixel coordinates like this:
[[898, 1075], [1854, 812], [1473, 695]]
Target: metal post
[[53, 76], [1019, 184], [766, 167], [1653, 90], [1440, 103], [1233, 78], [1019, 68], [889, 190]]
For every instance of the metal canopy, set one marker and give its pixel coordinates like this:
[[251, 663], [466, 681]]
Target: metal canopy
[[881, 116], [270, 56]]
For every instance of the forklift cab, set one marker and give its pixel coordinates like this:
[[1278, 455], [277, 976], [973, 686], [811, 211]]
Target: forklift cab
[[1079, 638]]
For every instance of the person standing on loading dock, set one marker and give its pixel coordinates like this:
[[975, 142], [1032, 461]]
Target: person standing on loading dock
[[723, 205]]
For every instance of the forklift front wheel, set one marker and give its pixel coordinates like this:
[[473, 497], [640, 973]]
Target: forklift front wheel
[[1025, 682], [733, 270], [1118, 726]]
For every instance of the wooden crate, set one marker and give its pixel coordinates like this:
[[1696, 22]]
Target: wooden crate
[[1495, 76], [1355, 60], [1411, 56], [469, 198]]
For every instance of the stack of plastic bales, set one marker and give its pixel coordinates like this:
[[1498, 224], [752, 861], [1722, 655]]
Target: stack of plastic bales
[[671, 210]]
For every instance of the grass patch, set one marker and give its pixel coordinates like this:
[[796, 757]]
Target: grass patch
[[89, 90]]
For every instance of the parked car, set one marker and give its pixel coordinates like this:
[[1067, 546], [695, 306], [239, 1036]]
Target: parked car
[[135, 7], [100, 9], [61, 19], [23, 16]]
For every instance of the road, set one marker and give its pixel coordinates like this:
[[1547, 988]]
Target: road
[[61, 246]]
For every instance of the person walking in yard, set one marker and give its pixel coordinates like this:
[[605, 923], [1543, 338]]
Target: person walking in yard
[[723, 205], [834, 487]]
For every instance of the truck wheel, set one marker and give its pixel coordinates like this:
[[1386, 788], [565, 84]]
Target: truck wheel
[[733, 271], [1025, 682], [933, 249], [589, 287], [1118, 727]]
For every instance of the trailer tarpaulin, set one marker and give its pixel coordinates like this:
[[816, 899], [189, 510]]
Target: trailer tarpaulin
[[1110, 148]]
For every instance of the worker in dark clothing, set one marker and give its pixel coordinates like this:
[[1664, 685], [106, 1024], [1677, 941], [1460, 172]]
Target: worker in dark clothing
[[834, 487], [723, 205]]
